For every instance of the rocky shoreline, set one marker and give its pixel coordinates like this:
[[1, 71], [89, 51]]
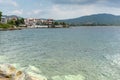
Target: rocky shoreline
[[6, 29], [9, 72]]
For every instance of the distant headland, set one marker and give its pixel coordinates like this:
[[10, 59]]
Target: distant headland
[[94, 20]]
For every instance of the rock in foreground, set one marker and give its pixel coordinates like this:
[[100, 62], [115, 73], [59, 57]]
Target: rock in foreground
[[9, 72]]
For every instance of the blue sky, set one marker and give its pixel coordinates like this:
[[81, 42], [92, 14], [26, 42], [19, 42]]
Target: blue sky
[[58, 9]]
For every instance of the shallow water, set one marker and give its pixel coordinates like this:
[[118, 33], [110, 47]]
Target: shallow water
[[81, 53]]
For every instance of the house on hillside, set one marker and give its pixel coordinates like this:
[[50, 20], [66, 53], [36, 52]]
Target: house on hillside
[[12, 17], [4, 19]]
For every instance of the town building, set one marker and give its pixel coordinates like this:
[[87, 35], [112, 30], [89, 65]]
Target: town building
[[37, 23], [4, 19], [50, 23], [12, 17], [30, 22]]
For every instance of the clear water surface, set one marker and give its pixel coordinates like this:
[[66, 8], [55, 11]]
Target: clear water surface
[[77, 53]]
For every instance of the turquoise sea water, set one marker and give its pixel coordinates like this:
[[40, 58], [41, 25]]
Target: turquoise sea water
[[81, 53]]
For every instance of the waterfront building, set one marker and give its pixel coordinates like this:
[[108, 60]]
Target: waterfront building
[[50, 23], [32, 22]]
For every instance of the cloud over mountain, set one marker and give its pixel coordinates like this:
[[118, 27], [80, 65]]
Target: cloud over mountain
[[59, 9]]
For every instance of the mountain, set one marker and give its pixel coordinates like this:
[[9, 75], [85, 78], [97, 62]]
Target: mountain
[[96, 19], [11, 16]]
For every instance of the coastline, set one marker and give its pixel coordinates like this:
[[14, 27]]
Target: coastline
[[2, 29], [20, 28]]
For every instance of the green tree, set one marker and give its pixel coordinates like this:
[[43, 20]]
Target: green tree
[[0, 15], [64, 24], [56, 23], [21, 21], [17, 22], [11, 22]]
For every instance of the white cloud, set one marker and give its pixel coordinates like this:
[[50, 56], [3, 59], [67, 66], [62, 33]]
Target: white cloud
[[8, 2], [14, 3], [66, 12], [36, 11], [17, 12], [73, 11]]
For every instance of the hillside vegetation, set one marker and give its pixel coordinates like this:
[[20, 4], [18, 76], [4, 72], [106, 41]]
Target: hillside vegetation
[[5, 26], [95, 20]]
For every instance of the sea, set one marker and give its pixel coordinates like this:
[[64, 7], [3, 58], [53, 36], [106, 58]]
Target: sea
[[75, 53]]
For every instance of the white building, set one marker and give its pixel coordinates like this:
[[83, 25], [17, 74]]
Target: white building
[[30, 22], [38, 23], [4, 20]]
